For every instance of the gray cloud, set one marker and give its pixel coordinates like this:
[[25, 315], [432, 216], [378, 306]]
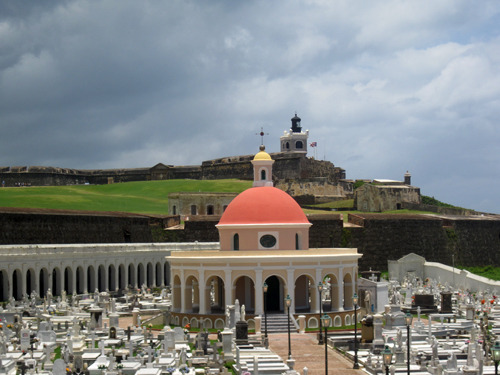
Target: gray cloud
[[383, 87]]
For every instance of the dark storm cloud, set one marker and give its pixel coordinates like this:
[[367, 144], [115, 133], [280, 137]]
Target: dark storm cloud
[[384, 87]]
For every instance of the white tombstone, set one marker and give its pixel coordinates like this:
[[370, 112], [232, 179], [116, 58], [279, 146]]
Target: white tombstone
[[179, 335], [25, 339], [59, 367]]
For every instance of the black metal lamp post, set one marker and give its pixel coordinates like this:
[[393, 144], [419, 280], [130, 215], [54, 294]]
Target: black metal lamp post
[[408, 319], [326, 322], [264, 288], [320, 290], [288, 302], [495, 355], [387, 358], [355, 303]]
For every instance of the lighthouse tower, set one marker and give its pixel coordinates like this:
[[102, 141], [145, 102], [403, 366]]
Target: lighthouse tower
[[294, 140]]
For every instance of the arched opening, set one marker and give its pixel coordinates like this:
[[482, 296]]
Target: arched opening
[[68, 280], [263, 174], [244, 292], [101, 278], [288, 145], [131, 276], [304, 293], [140, 275], [236, 241], [43, 282], [4, 286], [215, 295], [275, 294], [149, 276], [193, 209], [210, 209], [122, 284], [158, 274], [30, 281], [177, 290], [297, 242], [174, 210], [17, 285], [56, 282], [80, 281], [331, 300], [299, 145], [91, 279], [192, 295], [111, 278]]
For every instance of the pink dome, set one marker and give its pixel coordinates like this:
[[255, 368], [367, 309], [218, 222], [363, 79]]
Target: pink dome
[[263, 205]]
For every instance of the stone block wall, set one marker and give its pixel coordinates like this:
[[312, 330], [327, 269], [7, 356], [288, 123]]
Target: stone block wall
[[379, 237], [57, 227], [474, 241], [382, 237], [379, 198], [326, 230], [313, 187]]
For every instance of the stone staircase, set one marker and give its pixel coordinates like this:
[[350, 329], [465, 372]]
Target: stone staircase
[[278, 323]]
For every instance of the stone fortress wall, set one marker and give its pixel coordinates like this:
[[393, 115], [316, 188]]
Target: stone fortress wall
[[322, 176], [472, 241]]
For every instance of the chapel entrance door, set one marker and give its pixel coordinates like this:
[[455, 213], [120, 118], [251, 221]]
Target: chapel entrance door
[[274, 298]]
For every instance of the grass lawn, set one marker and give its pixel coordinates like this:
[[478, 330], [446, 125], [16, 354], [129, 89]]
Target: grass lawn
[[144, 197]]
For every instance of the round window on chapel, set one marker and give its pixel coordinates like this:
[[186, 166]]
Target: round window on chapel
[[268, 240]]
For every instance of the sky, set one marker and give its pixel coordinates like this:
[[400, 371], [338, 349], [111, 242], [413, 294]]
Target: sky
[[383, 87]]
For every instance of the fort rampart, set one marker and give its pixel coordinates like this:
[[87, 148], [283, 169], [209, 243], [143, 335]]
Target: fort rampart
[[472, 241], [287, 166]]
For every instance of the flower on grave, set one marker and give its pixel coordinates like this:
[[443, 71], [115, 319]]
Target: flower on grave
[[119, 366], [170, 370], [483, 301], [492, 301]]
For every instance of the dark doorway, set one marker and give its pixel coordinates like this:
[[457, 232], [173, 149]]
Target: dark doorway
[[273, 295]]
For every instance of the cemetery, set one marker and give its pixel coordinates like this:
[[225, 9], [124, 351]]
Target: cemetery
[[412, 325]]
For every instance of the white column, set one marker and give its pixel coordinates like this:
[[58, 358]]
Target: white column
[[341, 288], [85, 270], [73, 279], [183, 297], [259, 298], [201, 291], [125, 275], [319, 279], [228, 285], [9, 282], [291, 288]]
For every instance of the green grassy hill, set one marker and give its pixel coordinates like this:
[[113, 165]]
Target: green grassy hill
[[146, 197]]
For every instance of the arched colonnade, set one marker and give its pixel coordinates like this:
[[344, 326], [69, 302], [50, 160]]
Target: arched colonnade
[[204, 290], [82, 268]]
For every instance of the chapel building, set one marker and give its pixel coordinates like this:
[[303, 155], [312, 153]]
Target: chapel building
[[264, 238]]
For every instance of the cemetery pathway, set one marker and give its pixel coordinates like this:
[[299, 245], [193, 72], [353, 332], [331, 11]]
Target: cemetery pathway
[[307, 353]]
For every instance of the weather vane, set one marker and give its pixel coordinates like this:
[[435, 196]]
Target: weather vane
[[262, 134]]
